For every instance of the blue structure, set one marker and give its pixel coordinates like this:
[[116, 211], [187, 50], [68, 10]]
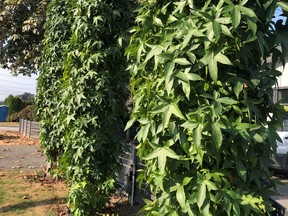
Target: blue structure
[[3, 113]]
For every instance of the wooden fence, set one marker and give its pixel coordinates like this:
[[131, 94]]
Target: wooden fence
[[29, 129]]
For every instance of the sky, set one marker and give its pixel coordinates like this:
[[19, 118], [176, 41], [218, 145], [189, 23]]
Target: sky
[[16, 85]]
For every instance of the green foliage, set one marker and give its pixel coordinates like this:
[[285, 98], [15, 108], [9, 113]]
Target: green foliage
[[49, 95], [14, 103], [21, 34], [82, 93], [202, 93]]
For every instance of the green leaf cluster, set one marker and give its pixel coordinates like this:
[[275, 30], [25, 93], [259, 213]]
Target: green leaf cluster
[[202, 75], [21, 34], [82, 94]]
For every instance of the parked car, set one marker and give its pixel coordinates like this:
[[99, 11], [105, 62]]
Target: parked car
[[280, 159]]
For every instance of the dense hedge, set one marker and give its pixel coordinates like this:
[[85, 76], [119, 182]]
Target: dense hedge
[[202, 92]]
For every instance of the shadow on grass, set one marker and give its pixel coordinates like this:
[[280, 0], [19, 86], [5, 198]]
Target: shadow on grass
[[29, 204]]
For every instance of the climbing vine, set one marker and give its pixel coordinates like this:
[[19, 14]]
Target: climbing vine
[[49, 89], [202, 90], [83, 114]]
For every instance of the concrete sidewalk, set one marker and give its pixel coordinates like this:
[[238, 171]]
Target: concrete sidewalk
[[21, 157], [9, 128]]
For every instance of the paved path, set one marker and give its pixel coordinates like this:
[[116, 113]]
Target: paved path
[[9, 128], [21, 157]]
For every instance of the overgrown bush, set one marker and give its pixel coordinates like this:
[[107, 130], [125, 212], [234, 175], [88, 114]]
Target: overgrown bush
[[202, 91], [27, 113]]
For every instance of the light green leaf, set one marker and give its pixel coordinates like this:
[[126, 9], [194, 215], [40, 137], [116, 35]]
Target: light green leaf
[[190, 125], [201, 195], [139, 52], [155, 153], [157, 22], [236, 17], [213, 69], [223, 59], [252, 24], [164, 9], [197, 135], [129, 124], [183, 77], [194, 77], [69, 118], [283, 5], [247, 11], [180, 6], [186, 180], [187, 39], [168, 71], [237, 110], [145, 131], [170, 153], [238, 87], [181, 197], [186, 89], [171, 19], [227, 100], [217, 29], [217, 135], [243, 126], [191, 57], [226, 31], [258, 138], [166, 117], [162, 162], [182, 61], [210, 185], [173, 109], [160, 109], [156, 50], [176, 111]]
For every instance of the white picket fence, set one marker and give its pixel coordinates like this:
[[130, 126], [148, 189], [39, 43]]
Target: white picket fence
[[29, 129]]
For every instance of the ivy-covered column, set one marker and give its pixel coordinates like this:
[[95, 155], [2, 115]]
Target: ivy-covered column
[[82, 95], [202, 93], [49, 86], [94, 94]]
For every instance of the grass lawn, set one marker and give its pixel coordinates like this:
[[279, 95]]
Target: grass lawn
[[31, 194]]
